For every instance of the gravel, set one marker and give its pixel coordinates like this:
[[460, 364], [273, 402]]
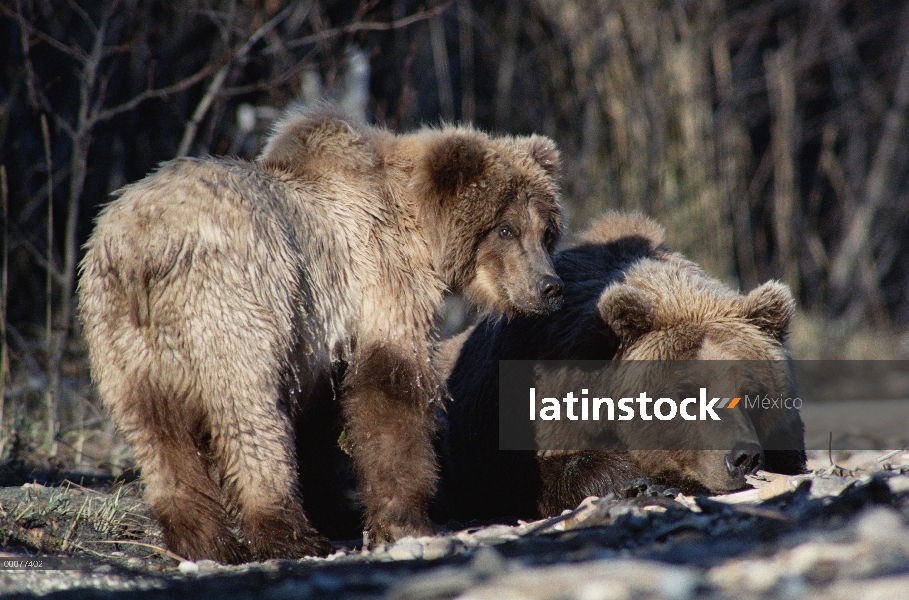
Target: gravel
[[840, 532]]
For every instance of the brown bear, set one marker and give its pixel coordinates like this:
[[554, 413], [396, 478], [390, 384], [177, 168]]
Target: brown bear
[[628, 297], [224, 301]]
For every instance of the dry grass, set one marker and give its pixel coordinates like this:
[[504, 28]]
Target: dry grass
[[78, 521]]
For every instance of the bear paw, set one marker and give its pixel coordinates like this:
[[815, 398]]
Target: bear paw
[[384, 531], [644, 487]]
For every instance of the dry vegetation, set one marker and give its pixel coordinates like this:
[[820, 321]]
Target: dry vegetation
[[767, 135], [74, 520]]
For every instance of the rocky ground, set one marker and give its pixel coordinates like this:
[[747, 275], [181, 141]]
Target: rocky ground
[[841, 531]]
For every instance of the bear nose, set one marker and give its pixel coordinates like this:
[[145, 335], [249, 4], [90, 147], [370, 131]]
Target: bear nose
[[744, 459], [550, 287]]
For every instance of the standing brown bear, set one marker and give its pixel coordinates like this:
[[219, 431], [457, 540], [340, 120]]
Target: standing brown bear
[[223, 299], [628, 297]]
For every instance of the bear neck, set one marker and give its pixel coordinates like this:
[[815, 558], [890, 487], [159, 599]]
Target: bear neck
[[445, 243], [438, 223]]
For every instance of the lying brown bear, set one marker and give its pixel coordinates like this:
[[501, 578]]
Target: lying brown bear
[[627, 296]]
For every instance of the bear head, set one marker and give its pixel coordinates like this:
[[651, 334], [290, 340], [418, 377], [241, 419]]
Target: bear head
[[496, 202], [668, 312]]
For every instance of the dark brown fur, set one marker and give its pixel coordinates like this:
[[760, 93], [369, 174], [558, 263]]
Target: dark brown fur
[[627, 296], [239, 315]]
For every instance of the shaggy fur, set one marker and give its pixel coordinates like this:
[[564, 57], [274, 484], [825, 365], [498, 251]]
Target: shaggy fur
[[225, 302], [627, 296]]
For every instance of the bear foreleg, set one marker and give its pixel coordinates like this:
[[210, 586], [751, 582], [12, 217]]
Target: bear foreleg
[[389, 411]]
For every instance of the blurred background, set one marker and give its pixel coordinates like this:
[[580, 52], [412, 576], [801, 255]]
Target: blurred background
[[769, 137]]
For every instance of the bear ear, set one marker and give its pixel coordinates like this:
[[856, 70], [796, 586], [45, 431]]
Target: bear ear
[[544, 152], [770, 307], [455, 161], [627, 311]]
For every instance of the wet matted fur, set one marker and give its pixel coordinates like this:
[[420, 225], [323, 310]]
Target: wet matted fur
[[223, 300]]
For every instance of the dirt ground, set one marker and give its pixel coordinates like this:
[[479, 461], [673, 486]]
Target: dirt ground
[[840, 531]]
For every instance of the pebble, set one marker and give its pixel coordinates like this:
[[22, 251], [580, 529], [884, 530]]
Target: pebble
[[405, 549], [882, 526], [816, 560], [899, 484], [777, 487], [488, 561], [443, 582], [678, 584], [830, 485], [609, 579], [208, 566], [595, 590], [760, 576], [188, 567], [436, 548]]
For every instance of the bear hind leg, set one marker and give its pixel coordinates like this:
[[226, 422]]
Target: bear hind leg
[[187, 500], [281, 531], [261, 475]]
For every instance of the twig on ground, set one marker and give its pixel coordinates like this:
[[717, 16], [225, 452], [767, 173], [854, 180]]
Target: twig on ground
[[158, 549], [891, 454]]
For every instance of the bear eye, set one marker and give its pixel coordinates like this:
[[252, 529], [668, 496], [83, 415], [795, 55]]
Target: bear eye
[[549, 238], [506, 232]]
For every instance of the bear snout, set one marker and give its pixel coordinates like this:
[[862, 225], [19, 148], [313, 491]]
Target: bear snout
[[550, 287], [745, 458], [537, 294]]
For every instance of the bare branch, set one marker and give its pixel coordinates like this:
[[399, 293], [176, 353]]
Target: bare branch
[[38, 101], [87, 85], [84, 15], [51, 396], [440, 60], [465, 31], [4, 356], [214, 88], [782, 95], [508, 64], [371, 26], [27, 28], [189, 133], [40, 258], [180, 86], [300, 66]]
